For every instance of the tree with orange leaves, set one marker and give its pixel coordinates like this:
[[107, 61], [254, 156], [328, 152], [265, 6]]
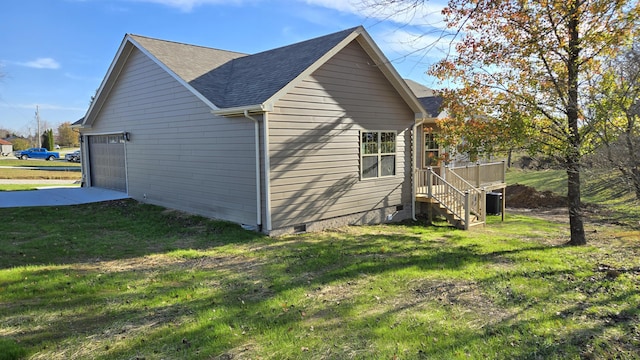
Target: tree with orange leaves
[[522, 69]]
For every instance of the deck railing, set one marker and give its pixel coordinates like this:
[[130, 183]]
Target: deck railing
[[461, 189], [477, 196], [463, 204], [479, 175]]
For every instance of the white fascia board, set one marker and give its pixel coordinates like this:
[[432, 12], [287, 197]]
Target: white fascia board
[[420, 118], [105, 80], [172, 73], [104, 133], [258, 108]]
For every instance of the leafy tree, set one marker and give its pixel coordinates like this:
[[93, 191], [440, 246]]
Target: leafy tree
[[48, 139], [616, 107], [20, 144], [44, 139], [523, 70], [66, 135]]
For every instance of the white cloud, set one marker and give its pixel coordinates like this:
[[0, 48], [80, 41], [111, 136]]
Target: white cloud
[[415, 13], [42, 63]]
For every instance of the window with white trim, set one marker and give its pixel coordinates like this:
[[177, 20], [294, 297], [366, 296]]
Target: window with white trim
[[431, 150], [377, 154]]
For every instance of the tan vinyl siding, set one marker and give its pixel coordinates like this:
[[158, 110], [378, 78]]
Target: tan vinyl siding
[[180, 155], [315, 142]]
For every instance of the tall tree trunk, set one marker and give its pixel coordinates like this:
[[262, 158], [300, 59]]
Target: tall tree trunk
[[636, 182], [576, 224], [633, 160]]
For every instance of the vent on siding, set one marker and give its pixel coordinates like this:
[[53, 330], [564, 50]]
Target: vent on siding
[[399, 207], [302, 228]]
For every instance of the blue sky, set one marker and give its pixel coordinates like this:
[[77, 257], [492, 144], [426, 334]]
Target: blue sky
[[55, 53]]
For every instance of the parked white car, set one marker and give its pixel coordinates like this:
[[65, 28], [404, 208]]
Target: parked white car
[[74, 156]]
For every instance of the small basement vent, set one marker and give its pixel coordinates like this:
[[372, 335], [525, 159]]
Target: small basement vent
[[302, 228], [399, 207]]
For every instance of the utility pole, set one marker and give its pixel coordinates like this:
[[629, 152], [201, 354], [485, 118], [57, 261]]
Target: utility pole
[[38, 133]]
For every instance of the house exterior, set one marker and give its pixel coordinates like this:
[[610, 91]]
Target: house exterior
[[6, 148], [446, 182], [308, 136]]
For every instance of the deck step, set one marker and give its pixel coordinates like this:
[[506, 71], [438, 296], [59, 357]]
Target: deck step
[[452, 218]]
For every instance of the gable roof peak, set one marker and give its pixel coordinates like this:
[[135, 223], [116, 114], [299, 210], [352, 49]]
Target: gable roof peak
[[138, 38], [256, 78], [228, 80]]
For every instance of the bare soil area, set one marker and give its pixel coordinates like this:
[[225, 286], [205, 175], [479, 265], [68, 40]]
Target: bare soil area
[[522, 199], [525, 197]]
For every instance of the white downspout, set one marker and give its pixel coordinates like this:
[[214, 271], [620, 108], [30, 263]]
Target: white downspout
[[258, 191], [267, 173], [414, 168]]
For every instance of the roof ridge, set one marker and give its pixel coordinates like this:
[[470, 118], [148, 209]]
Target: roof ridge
[[317, 38], [185, 44], [246, 85]]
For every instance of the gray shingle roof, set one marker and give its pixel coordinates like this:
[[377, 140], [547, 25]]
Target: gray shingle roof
[[187, 61], [432, 104], [426, 96], [229, 79]]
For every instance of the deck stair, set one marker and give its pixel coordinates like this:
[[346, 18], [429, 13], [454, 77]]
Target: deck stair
[[455, 198]]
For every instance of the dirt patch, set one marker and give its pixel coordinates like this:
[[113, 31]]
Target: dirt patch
[[524, 197]]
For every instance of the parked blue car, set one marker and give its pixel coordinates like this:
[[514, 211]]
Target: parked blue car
[[37, 153]]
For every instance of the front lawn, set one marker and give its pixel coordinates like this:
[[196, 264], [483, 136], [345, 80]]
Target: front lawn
[[39, 170], [38, 163], [124, 280]]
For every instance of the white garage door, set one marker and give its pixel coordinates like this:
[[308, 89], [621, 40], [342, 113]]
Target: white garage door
[[106, 159]]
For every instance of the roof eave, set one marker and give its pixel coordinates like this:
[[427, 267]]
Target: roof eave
[[114, 68], [240, 110], [172, 73], [127, 45], [309, 70], [364, 39]]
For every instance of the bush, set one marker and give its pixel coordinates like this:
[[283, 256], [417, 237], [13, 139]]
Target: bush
[[20, 144]]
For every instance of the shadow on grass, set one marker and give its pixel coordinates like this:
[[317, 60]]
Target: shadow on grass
[[112, 230], [203, 305]]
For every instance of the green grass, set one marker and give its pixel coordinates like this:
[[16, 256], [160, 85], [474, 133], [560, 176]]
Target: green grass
[[21, 169], [124, 280], [38, 163], [40, 174]]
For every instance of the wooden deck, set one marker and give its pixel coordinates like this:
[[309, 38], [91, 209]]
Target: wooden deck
[[459, 193]]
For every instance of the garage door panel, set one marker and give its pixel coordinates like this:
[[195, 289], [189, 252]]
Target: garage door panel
[[106, 158]]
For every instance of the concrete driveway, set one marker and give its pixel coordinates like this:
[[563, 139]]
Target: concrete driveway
[[57, 197]]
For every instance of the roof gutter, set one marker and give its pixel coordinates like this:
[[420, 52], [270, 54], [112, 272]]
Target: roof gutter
[[242, 110]]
